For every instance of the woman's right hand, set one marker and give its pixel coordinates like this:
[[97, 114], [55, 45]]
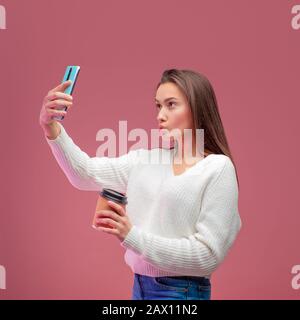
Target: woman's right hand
[[55, 99]]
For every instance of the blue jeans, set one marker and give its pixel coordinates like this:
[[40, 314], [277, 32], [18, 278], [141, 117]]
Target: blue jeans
[[171, 288]]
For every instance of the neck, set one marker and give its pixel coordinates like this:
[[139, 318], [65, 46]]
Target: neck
[[185, 154]]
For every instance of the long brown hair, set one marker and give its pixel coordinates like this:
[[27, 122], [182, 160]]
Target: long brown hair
[[203, 103]]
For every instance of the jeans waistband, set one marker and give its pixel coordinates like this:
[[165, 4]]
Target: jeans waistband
[[202, 280]]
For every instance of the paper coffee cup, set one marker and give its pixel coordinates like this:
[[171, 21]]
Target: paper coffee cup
[[102, 204]]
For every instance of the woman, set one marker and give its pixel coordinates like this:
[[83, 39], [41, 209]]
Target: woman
[[182, 217]]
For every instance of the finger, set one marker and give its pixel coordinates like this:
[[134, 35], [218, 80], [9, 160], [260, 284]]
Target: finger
[[62, 87], [96, 226], [107, 221], [109, 230], [58, 103], [57, 94], [117, 207], [54, 112], [108, 213]]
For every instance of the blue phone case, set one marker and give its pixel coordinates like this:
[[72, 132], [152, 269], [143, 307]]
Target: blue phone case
[[70, 74]]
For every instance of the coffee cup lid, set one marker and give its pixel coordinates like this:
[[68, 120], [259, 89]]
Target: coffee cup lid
[[114, 195]]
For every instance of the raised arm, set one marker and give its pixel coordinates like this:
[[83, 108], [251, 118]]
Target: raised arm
[[84, 172], [91, 173]]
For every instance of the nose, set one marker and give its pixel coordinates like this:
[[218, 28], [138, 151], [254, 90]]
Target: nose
[[160, 117]]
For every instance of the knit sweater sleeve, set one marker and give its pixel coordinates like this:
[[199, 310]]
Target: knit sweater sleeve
[[91, 173], [200, 253]]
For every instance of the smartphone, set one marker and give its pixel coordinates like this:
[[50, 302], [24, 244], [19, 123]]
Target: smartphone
[[71, 73]]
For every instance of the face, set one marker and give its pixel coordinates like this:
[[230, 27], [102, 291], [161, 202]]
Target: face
[[173, 110]]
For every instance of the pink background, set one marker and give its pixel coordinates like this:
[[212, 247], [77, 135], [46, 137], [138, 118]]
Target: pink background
[[250, 53]]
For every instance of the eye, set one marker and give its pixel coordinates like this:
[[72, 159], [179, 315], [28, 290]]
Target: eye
[[170, 105]]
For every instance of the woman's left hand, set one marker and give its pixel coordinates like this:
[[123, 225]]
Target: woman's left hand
[[118, 221]]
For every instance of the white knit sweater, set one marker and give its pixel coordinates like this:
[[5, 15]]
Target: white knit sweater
[[182, 224]]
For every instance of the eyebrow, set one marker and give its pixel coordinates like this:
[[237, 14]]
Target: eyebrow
[[167, 99]]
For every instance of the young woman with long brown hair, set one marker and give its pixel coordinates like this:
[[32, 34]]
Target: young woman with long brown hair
[[182, 217]]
